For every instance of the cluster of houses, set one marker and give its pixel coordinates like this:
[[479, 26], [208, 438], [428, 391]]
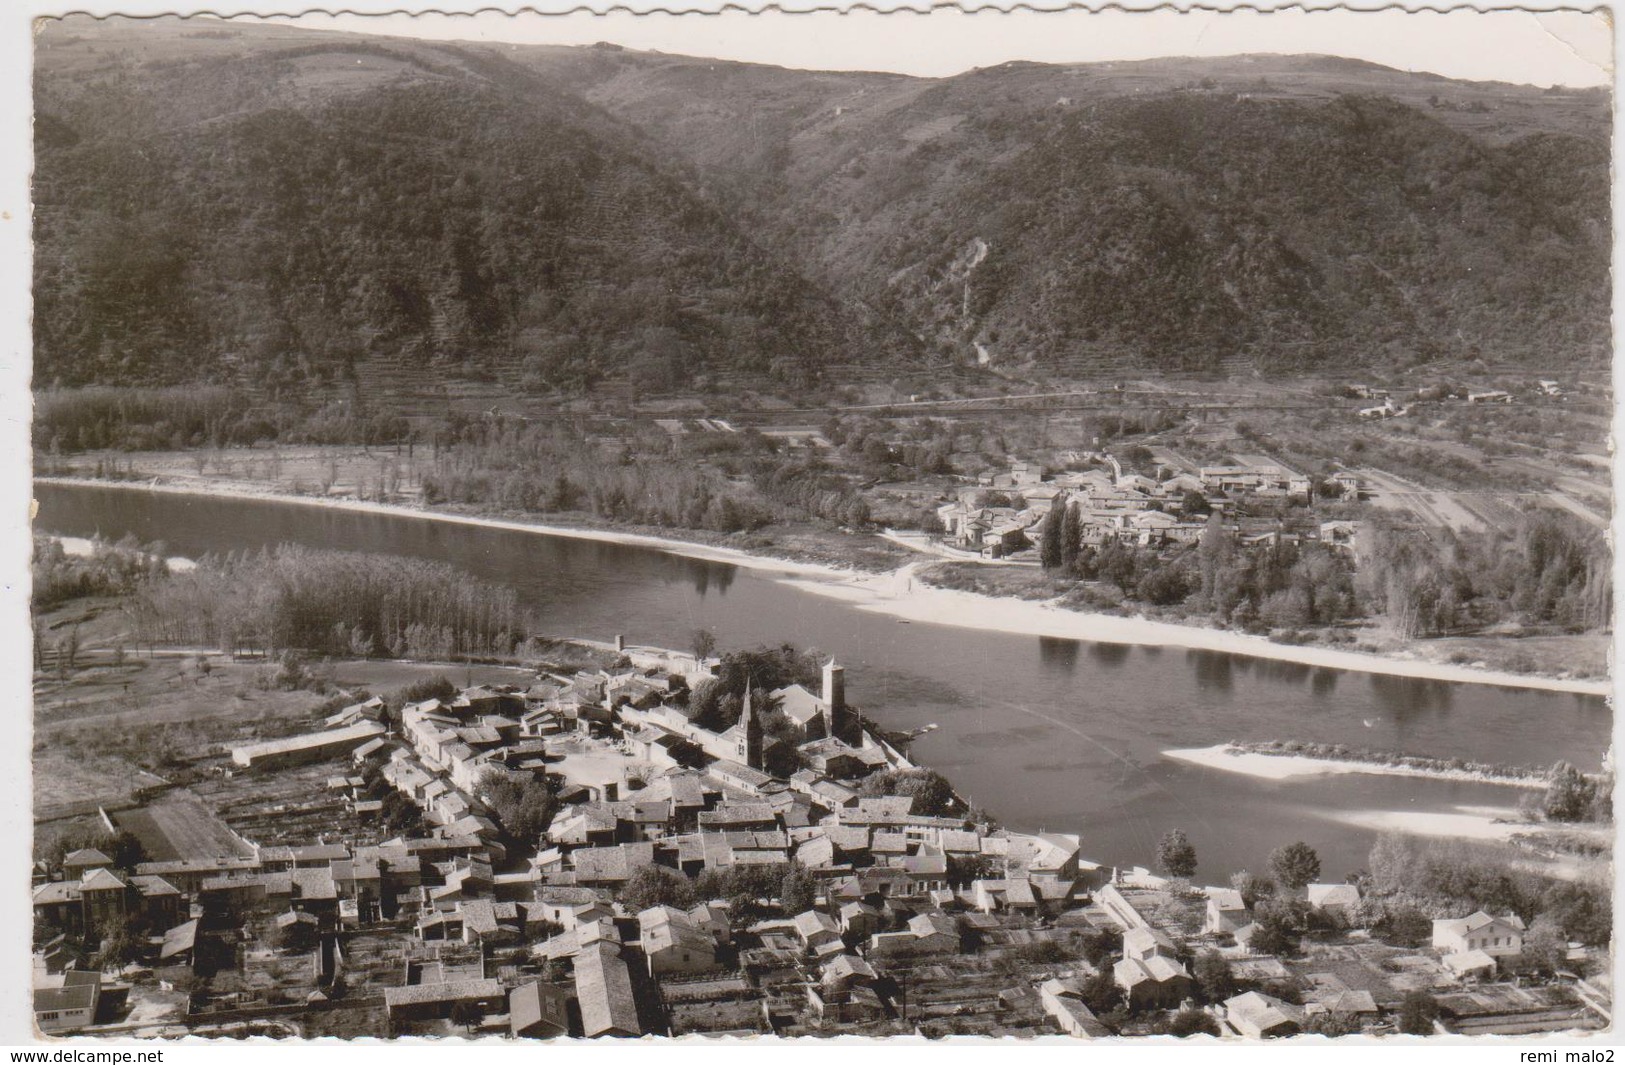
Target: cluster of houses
[[1114, 504], [1391, 408], [551, 939]]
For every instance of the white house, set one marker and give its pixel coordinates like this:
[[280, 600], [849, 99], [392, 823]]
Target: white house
[[1226, 911], [1498, 937], [1337, 901]]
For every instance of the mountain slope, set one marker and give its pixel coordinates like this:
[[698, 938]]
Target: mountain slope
[[286, 208], [1277, 212], [295, 213]]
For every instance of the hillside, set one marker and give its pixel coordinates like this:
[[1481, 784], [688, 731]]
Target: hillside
[[282, 206], [1257, 212], [299, 215]]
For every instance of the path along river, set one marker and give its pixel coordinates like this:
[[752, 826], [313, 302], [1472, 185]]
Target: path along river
[[1047, 733]]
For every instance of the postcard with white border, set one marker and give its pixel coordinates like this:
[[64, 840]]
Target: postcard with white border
[[1044, 526]]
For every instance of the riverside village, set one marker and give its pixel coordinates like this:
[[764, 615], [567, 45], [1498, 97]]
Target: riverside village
[[587, 856]]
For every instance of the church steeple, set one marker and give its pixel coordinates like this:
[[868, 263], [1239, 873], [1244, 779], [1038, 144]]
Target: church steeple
[[748, 746]]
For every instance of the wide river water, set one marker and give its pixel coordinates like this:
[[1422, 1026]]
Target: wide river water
[[1046, 733]]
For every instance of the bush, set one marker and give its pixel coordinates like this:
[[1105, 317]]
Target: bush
[[1189, 1022]]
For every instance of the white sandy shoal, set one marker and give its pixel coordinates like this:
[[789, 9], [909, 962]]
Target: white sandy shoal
[[899, 594], [1435, 823], [1485, 824], [1292, 766]]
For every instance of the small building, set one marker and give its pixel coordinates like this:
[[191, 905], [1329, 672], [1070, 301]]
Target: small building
[[538, 1011], [431, 1001], [1226, 911], [309, 747], [1259, 1016], [1063, 1001], [1340, 902], [604, 992], [1470, 963], [673, 943], [1499, 937], [818, 932], [1152, 982], [71, 1006], [84, 860]]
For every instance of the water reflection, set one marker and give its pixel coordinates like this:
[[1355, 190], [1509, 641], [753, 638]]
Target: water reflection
[[1058, 654], [707, 577], [1324, 682], [1412, 697], [1110, 655], [1284, 672], [1214, 670]]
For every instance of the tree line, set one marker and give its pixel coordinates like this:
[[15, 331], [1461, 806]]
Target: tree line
[[292, 597], [1552, 570]]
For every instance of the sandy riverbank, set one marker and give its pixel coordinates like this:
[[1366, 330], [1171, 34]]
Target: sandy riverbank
[[1290, 767], [899, 594]]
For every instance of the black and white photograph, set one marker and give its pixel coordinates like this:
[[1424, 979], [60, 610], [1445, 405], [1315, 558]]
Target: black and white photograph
[[1039, 526]]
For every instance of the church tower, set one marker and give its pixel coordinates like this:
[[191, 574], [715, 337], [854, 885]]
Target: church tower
[[834, 697], [748, 737]]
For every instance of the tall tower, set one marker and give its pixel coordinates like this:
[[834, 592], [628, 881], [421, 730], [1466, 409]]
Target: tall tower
[[748, 740], [835, 698]]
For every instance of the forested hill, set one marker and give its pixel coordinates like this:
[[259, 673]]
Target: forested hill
[[278, 218], [1276, 212], [277, 206]]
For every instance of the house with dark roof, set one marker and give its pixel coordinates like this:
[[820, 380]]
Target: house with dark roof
[[435, 1000], [604, 992], [84, 860], [538, 1011]]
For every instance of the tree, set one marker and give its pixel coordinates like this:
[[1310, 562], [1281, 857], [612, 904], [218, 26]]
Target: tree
[[1569, 794], [295, 937], [1251, 886], [1294, 866], [932, 794], [798, 890], [467, 1015], [122, 942], [1403, 926], [1101, 993], [1189, 1022], [1071, 534], [1332, 1025], [1279, 926], [655, 885], [1545, 947], [702, 642], [1176, 855], [1417, 1013], [1051, 540], [1392, 861], [1212, 975]]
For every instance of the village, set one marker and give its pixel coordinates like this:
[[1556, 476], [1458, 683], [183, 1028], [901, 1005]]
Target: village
[[582, 857], [999, 517]]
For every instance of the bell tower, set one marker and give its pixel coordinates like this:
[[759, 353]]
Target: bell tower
[[748, 741]]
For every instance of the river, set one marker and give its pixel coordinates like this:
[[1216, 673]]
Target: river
[[1048, 734]]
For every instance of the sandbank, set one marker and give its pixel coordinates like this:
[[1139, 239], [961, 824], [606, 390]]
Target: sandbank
[[1291, 766]]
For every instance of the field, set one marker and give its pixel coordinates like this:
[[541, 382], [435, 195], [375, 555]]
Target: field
[[287, 806]]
